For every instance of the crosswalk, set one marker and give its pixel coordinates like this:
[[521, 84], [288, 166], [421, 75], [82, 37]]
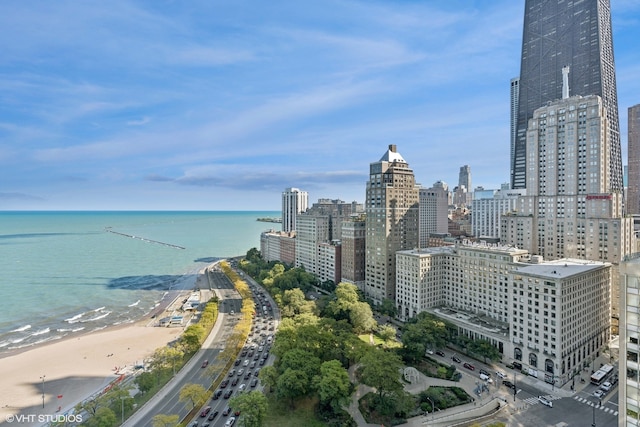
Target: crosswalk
[[535, 401], [591, 403]]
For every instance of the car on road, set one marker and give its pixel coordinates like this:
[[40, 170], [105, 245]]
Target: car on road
[[484, 372], [205, 412], [456, 359], [606, 386], [237, 362], [545, 401], [235, 381], [246, 363], [226, 411], [228, 394], [469, 366], [508, 384], [217, 395], [224, 383], [240, 372], [440, 353], [598, 393], [242, 387], [254, 382], [212, 415], [501, 375], [261, 362], [230, 422], [232, 373], [205, 364], [247, 375]]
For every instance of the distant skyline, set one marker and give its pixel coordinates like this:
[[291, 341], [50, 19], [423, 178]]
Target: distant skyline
[[209, 105]]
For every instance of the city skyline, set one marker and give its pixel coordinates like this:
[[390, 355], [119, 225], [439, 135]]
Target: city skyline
[[221, 107]]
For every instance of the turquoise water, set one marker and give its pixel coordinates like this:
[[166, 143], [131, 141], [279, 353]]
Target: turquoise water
[[63, 272]]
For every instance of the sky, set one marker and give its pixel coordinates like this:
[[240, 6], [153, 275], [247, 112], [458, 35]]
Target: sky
[[221, 105]]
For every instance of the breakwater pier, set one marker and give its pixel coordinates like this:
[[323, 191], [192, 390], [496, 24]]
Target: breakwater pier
[[144, 239]]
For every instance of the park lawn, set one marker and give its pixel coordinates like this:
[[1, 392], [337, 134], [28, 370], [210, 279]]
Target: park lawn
[[279, 414]]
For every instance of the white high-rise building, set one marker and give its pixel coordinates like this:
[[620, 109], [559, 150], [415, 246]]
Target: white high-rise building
[[629, 352], [294, 201], [434, 210], [487, 209], [312, 230]]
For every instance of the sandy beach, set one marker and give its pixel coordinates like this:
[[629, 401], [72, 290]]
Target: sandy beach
[[74, 368]]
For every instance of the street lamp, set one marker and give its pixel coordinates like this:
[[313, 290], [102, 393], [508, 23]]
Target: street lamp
[[42, 378], [433, 408], [122, 398]]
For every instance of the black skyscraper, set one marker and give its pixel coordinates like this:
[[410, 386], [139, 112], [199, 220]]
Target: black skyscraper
[[572, 33]]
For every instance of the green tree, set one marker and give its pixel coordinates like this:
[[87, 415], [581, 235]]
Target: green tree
[[485, 349], [253, 407], [294, 302], [194, 394], [333, 384], [387, 332], [269, 376], [381, 369], [162, 420], [145, 381], [388, 307], [104, 417], [298, 359], [192, 338], [361, 317], [292, 384]]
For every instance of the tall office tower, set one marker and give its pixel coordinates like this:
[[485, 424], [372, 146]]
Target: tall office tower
[[560, 33], [392, 222], [633, 183], [434, 210], [464, 177], [513, 110], [294, 201]]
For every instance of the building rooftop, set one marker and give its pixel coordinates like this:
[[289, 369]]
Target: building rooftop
[[560, 269]]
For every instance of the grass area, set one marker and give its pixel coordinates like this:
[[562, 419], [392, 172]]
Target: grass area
[[436, 369], [279, 414]]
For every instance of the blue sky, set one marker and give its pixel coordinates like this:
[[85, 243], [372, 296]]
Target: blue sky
[[221, 105]]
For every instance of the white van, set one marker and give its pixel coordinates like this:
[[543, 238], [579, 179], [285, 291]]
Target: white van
[[545, 401], [485, 377]]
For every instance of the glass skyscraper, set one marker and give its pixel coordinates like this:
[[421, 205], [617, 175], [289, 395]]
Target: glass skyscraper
[[560, 33]]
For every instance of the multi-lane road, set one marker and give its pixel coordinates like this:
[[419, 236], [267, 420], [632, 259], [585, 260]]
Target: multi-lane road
[[167, 400]]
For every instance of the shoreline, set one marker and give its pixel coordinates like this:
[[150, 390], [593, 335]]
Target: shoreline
[[76, 367]]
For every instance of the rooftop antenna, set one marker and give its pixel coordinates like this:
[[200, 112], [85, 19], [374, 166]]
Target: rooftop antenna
[[565, 82]]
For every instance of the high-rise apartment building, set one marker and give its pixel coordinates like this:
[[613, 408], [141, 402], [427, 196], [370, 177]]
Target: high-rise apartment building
[[353, 239], [633, 186], [434, 211], [629, 362], [487, 209], [557, 34], [391, 207], [312, 230], [294, 201]]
